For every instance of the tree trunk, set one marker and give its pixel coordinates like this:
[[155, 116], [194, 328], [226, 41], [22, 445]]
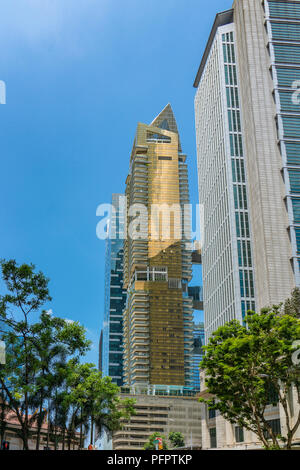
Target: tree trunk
[[55, 438], [289, 441], [69, 439], [39, 423], [92, 431], [26, 428], [63, 442], [25, 438], [55, 421], [48, 424], [80, 438], [2, 418]]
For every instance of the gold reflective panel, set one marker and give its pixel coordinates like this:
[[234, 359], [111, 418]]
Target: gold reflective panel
[[158, 319]]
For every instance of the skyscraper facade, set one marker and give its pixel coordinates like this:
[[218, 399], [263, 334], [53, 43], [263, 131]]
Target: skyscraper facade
[[100, 351], [115, 296], [198, 352], [158, 336], [247, 109], [248, 140], [268, 57], [228, 274], [283, 31]]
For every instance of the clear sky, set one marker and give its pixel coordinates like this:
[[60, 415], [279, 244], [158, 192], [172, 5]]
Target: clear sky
[[80, 74]]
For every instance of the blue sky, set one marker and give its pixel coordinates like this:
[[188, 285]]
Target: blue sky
[[80, 75]]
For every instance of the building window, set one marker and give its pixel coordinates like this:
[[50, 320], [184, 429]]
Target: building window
[[273, 397], [158, 138], [213, 438], [174, 283], [239, 434], [211, 414], [275, 426]]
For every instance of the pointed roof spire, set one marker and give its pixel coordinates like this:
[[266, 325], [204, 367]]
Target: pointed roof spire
[[166, 120]]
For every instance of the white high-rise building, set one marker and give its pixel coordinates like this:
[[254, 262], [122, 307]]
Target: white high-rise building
[[247, 109], [228, 274]]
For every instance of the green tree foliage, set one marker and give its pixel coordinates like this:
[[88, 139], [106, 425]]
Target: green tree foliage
[[243, 364], [292, 305], [85, 398], [150, 444], [32, 348], [176, 439], [43, 378]]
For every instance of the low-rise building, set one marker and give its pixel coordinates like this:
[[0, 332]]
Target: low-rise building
[[12, 436], [158, 410]]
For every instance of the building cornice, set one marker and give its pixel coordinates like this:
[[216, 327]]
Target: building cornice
[[223, 18]]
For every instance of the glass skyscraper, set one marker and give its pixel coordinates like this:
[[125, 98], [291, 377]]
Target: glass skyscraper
[[115, 295], [198, 352]]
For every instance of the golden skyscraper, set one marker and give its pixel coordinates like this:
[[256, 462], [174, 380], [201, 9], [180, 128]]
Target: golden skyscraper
[[158, 337]]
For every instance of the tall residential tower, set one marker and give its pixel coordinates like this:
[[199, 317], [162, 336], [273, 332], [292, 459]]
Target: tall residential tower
[[158, 334]]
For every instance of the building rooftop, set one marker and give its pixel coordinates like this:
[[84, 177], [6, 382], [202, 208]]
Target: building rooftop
[[225, 17], [166, 120]]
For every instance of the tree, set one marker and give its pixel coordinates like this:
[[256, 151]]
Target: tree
[[32, 348], [43, 377], [176, 439], [150, 444], [4, 410], [55, 341], [101, 402], [243, 364], [85, 399], [292, 305]]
